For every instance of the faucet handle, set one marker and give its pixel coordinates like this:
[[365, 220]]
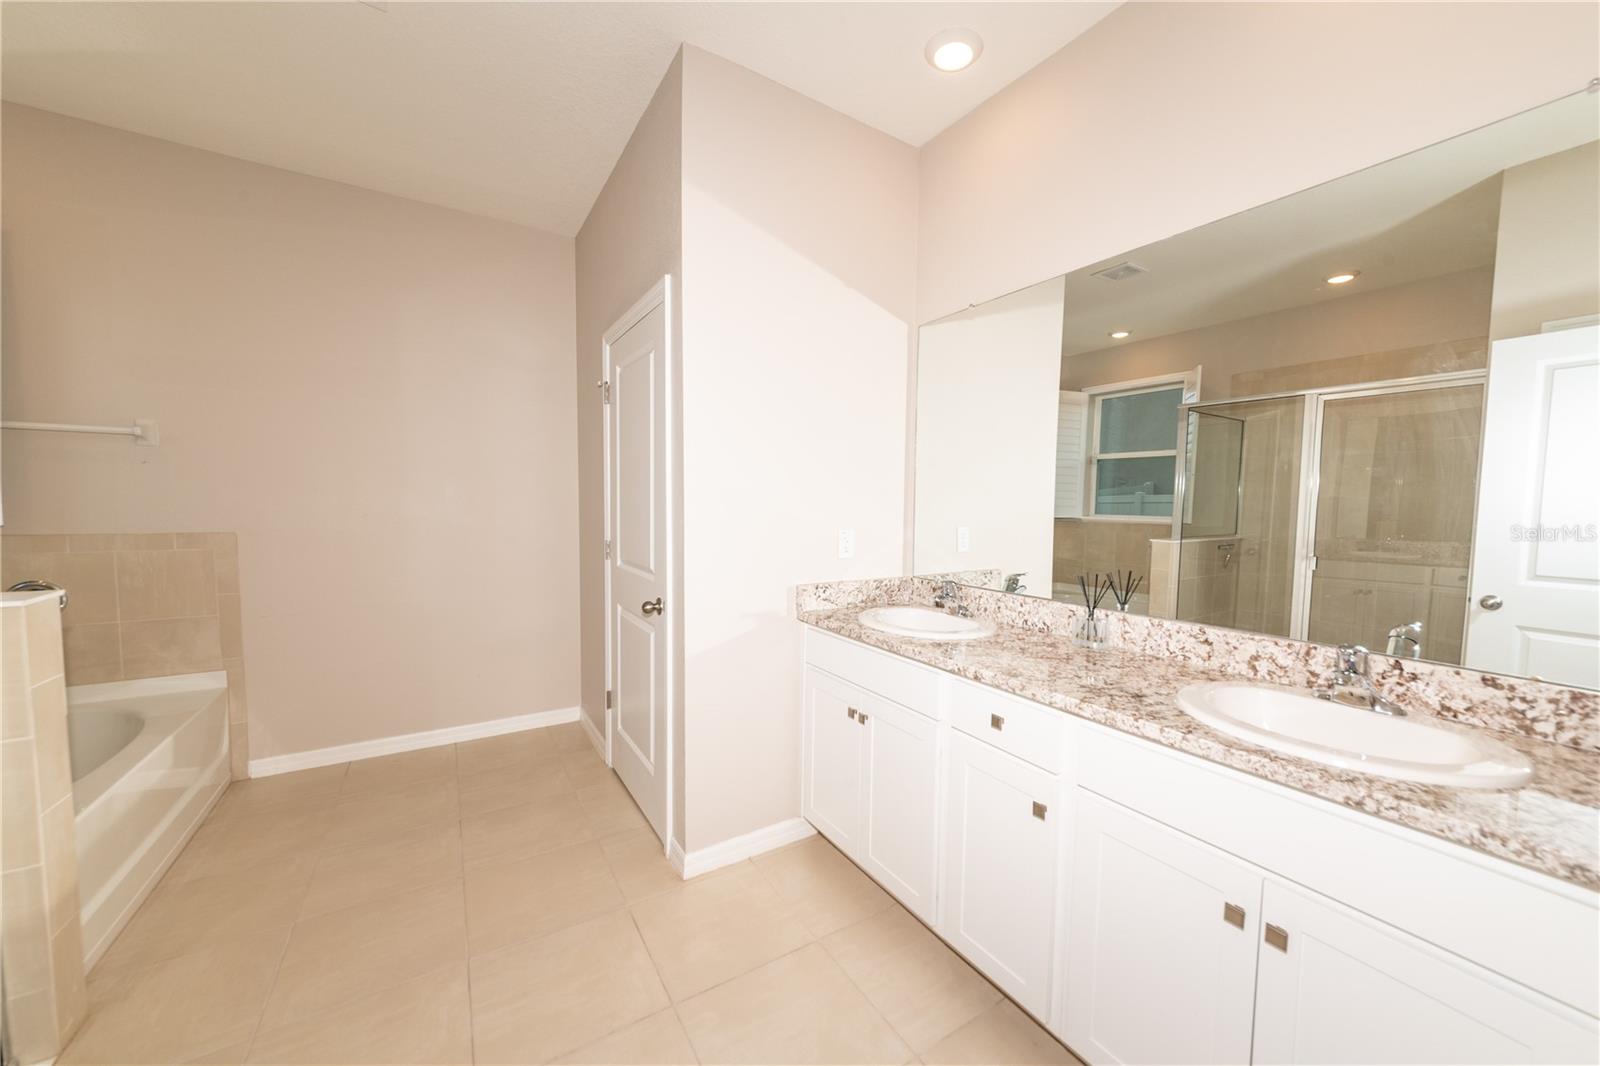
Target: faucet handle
[[947, 589], [1353, 660]]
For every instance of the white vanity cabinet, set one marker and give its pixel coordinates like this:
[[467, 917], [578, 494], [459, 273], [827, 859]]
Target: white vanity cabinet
[[833, 767], [1000, 856], [1150, 906], [1161, 943], [1336, 986], [869, 776]]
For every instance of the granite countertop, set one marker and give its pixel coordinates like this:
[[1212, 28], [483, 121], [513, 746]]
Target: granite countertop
[[1551, 825]]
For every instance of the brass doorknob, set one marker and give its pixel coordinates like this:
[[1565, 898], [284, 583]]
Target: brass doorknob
[[650, 607]]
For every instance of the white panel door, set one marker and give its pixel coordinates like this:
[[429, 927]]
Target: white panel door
[[998, 908], [1339, 987], [1535, 550], [1161, 943], [900, 846], [832, 762], [637, 370]]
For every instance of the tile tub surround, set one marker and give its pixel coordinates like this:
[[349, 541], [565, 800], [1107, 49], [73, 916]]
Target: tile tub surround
[[144, 605], [1552, 825], [504, 900], [40, 932]]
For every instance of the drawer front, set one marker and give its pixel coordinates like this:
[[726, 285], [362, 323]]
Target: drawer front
[[1032, 733], [906, 683]]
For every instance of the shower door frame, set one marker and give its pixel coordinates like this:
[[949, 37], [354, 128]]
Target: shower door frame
[[1305, 558], [1304, 565]]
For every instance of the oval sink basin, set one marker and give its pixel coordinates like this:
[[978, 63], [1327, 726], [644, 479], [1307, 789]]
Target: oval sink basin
[[925, 622], [1297, 723]]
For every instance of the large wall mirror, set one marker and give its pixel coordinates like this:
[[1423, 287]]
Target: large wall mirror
[[1366, 413]]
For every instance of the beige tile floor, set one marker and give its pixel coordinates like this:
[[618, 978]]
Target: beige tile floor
[[504, 902]]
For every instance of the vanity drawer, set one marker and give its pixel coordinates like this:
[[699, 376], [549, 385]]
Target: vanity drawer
[[1032, 733], [906, 683]]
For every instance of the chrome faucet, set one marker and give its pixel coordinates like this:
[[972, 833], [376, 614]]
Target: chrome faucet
[[1351, 684], [34, 584], [1014, 583], [1405, 641], [948, 598]]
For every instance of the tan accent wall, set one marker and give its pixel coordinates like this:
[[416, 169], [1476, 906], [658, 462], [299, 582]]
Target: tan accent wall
[[375, 394], [1085, 546], [1426, 327], [41, 939], [145, 605], [1234, 105]]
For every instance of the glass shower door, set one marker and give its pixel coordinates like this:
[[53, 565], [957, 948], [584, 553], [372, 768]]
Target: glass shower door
[[1392, 534]]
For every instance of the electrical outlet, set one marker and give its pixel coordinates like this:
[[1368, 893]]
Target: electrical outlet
[[847, 544], [963, 539]]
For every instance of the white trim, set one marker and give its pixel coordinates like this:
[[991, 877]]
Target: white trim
[[431, 738], [695, 863]]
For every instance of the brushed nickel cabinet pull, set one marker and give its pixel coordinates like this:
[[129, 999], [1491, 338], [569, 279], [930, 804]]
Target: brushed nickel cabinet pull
[[1039, 810], [853, 712], [996, 722], [861, 716], [1277, 937], [1233, 914]]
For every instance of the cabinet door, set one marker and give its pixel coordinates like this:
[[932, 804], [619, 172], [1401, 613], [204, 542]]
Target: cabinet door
[[1001, 838], [1338, 986], [901, 844], [1161, 943], [831, 765]]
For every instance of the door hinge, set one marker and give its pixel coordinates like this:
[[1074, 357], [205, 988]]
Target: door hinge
[[608, 699], [605, 391], [608, 549]]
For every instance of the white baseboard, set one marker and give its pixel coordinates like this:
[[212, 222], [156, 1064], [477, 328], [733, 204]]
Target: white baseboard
[[597, 738], [432, 738], [695, 863]]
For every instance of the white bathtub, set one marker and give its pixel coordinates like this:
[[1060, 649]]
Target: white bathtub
[[149, 758]]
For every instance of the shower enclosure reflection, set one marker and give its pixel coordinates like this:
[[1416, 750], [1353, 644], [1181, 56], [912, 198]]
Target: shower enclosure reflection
[[1373, 549]]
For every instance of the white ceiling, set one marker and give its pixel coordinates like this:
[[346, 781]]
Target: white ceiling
[[1434, 211], [512, 110]]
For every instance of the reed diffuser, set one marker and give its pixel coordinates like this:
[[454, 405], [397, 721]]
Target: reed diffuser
[[1091, 631], [1123, 586]]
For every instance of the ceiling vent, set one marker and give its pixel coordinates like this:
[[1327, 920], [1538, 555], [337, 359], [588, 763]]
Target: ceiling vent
[[1121, 272]]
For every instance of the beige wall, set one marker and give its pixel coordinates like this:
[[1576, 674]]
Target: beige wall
[[799, 245], [1403, 331], [632, 237], [1547, 267], [1166, 116], [375, 393]]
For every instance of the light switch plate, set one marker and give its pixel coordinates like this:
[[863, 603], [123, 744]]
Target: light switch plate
[[847, 544]]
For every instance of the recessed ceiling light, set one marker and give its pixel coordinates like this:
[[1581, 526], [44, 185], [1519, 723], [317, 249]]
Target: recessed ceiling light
[[953, 50], [1120, 334], [1343, 279]]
